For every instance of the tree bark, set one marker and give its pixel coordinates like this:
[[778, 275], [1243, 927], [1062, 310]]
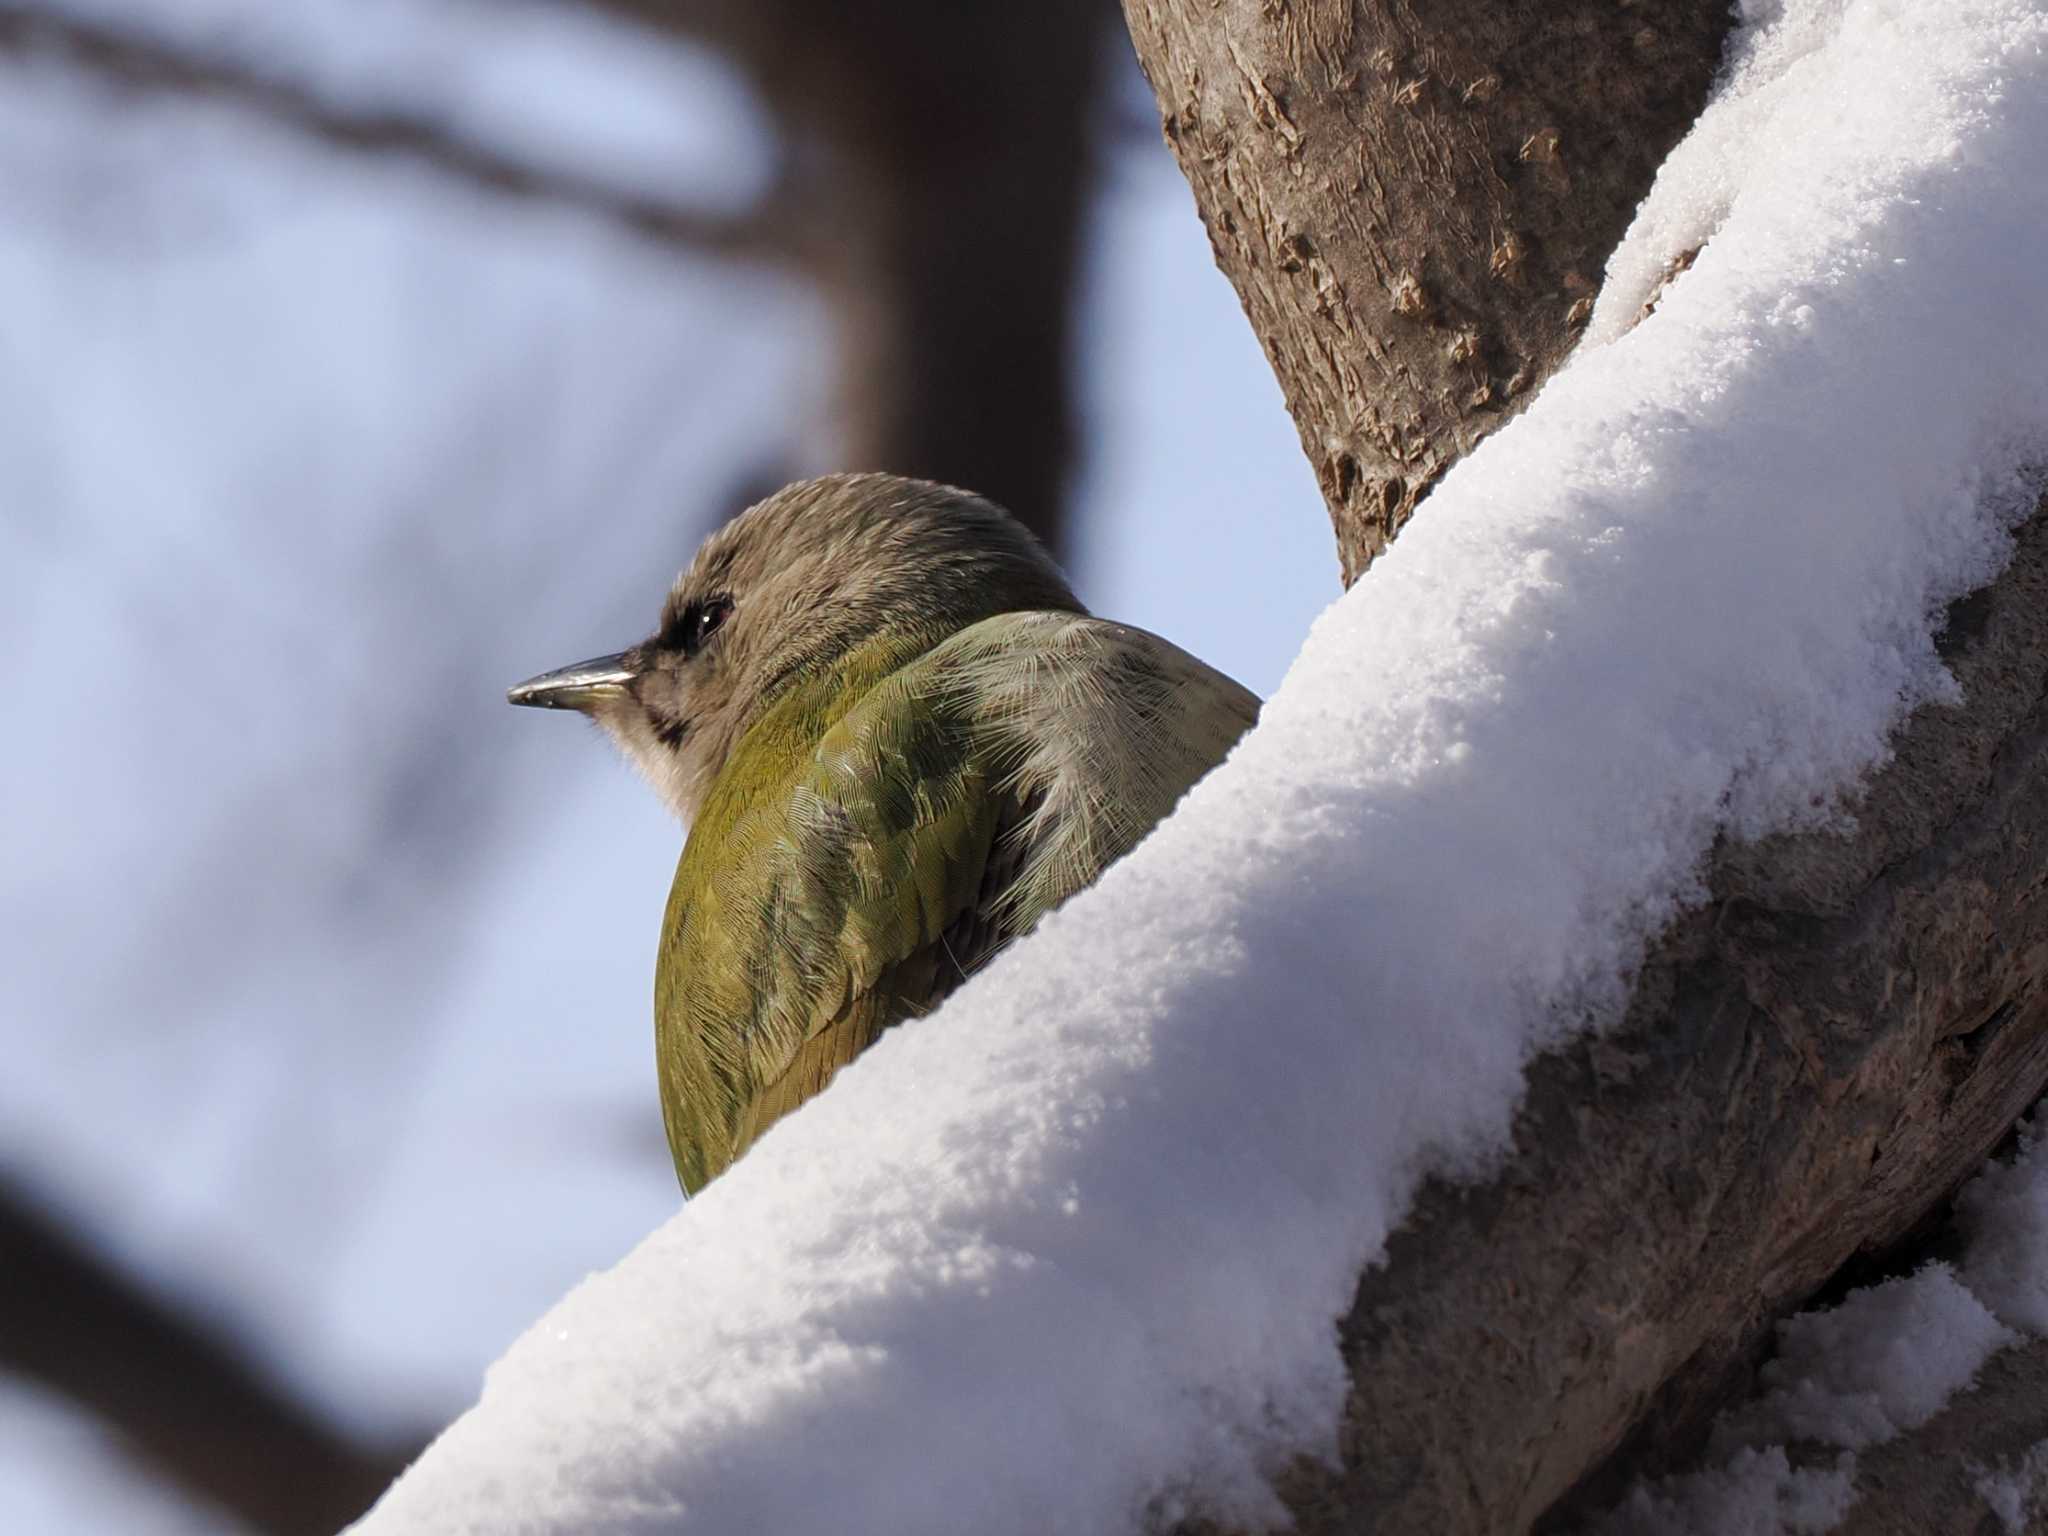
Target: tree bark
[[1415, 202], [1811, 1063], [1930, 1481]]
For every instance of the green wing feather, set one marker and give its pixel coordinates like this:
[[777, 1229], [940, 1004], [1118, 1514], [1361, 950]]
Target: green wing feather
[[888, 827]]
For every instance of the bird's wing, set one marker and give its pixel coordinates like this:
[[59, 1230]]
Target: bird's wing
[[912, 986], [1098, 734], [960, 799]]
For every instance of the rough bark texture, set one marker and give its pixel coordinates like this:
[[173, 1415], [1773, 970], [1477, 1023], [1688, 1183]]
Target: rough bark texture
[[1811, 1062], [1974, 1469], [1416, 202], [1931, 1482]]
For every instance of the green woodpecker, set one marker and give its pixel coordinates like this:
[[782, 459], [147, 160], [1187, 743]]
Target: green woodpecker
[[897, 740]]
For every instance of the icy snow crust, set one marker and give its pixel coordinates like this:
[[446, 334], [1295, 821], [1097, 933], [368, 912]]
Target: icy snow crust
[[1071, 1249]]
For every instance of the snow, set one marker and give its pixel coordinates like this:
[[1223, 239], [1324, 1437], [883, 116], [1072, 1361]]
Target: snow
[[2013, 1490], [1070, 1250], [242, 371], [288, 494], [2004, 1214], [303, 456], [1885, 1361], [1758, 1493], [314, 1084]]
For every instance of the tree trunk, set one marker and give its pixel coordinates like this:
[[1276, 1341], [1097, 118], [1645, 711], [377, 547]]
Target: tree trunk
[[937, 156], [1414, 204]]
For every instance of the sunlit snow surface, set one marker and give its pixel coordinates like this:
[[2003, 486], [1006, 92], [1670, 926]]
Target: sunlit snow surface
[[303, 456], [1072, 1248]]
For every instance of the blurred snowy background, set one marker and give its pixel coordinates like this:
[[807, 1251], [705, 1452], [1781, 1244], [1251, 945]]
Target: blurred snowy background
[[357, 359]]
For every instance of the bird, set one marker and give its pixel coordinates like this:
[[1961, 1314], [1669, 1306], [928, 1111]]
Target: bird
[[897, 740]]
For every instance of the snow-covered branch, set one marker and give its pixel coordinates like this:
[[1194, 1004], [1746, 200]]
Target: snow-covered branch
[[1633, 905]]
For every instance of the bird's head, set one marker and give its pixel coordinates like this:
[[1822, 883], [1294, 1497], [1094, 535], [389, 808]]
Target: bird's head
[[787, 588]]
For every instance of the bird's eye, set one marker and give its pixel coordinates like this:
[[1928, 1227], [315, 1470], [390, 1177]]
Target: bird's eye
[[700, 621]]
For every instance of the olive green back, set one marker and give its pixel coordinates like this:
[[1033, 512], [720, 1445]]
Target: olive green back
[[889, 825]]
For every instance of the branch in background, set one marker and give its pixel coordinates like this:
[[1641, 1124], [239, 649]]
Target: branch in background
[[950, 148], [947, 144], [180, 1395], [947, 151], [143, 62], [947, 147]]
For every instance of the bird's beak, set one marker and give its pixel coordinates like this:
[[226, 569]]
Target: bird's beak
[[586, 686]]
